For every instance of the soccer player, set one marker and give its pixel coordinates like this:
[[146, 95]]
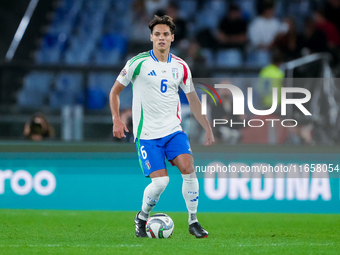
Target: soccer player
[[156, 76]]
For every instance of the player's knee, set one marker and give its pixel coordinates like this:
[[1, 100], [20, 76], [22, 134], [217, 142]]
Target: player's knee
[[187, 169], [161, 183]]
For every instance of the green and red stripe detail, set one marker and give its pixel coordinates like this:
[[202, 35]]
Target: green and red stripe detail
[[208, 86]]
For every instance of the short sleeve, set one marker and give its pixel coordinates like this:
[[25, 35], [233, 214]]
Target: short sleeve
[[186, 83], [125, 75]]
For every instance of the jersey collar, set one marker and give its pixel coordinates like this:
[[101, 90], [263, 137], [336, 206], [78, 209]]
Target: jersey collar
[[156, 60]]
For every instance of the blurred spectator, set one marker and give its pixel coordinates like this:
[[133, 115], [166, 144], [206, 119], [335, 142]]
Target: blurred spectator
[[232, 31], [328, 28], [152, 6], [260, 5], [181, 25], [332, 12], [289, 43], [140, 31], [264, 28], [201, 4], [194, 58], [314, 39], [206, 39], [149, 7], [38, 128], [270, 77]]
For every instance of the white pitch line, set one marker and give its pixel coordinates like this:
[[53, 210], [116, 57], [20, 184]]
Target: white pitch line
[[140, 245], [274, 244], [78, 245]]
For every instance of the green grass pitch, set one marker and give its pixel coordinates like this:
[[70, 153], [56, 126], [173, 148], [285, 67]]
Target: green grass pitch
[[98, 232]]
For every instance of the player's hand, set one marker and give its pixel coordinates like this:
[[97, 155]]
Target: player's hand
[[118, 128], [209, 138]]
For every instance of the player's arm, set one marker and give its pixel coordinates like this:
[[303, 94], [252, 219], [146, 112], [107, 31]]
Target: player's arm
[[118, 126], [195, 106]]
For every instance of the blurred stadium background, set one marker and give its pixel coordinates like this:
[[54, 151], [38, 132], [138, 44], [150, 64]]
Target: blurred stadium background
[[58, 61], [64, 64]]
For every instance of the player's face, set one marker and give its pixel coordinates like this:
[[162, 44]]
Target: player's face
[[161, 37]]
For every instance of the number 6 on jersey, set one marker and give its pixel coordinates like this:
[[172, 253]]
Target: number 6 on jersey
[[164, 87]]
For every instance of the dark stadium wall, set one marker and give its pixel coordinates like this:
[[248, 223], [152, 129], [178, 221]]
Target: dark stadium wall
[[11, 13], [35, 30]]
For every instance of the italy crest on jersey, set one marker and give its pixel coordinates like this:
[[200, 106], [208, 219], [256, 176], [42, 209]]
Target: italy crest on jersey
[[147, 163], [175, 73]]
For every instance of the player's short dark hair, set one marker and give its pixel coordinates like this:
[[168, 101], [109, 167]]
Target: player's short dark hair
[[165, 19]]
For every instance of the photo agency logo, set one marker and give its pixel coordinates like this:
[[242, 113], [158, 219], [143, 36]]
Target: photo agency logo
[[238, 105]]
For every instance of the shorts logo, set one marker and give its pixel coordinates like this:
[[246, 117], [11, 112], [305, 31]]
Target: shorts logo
[[175, 73], [123, 73], [147, 163]]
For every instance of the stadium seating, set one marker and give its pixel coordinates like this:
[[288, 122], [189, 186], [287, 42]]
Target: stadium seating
[[207, 18], [209, 57], [99, 90], [187, 8], [68, 90], [112, 49], [248, 7], [99, 31], [229, 58], [52, 48], [36, 85], [30, 99], [76, 36], [258, 58]]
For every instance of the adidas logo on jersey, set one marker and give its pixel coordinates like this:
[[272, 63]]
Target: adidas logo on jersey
[[152, 73]]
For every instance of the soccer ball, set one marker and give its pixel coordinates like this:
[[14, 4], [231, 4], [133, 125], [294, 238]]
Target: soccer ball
[[159, 225]]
